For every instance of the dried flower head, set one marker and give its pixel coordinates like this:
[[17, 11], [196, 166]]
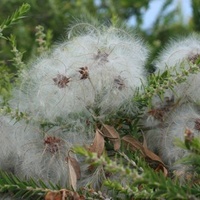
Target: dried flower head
[[194, 58], [61, 81], [189, 135], [160, 111], [157, 114], [178, 58], [52, 144], [101, 57], [43, 156], [179, 125], [197, 124], [84, 72], [179, 51], [119, 82]]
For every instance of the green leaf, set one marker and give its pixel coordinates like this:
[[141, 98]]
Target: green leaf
[[17, 15]]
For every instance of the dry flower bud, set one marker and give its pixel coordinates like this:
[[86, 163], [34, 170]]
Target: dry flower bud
[[61, 81], [52, 144], [84, 72], [194, 58], [189, 135], [157, 113], [101, 56], [119, 82], [197, 124]]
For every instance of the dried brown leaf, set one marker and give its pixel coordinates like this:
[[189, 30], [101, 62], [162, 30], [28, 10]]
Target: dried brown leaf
[[76, 166], [98, 143], [74, 171], [144, 144], [162, 168], [135, 145], [53, 196], [76, 196], [63, 195], [152, 156], [112, 135]]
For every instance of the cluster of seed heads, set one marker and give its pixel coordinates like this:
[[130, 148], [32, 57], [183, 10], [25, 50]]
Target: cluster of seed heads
[[88, 78], [176, 114], [81, 81]]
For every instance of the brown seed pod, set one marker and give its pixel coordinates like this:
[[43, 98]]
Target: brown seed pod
[[197, 124], [84, 72], [52, 144], [119, 83], [61, 81], [157, 114], [194, 58], [101, 56]]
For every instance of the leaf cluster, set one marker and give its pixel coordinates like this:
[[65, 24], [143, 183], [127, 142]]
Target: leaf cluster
[[145, 184], [24, 189]]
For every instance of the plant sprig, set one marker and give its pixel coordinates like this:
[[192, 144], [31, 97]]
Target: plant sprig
[[146, 184], [159, 83], [17, 15], [25, 189]]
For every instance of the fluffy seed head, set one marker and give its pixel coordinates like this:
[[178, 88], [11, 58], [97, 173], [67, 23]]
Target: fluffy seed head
[[184, 120], [184, 50], [179, 55], [42, 154], [8, 143], [99, 69]]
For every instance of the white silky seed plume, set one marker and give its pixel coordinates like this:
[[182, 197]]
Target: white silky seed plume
[[178, 55], [55, 85]]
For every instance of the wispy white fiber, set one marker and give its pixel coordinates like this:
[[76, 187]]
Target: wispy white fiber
[[163, 139], [179, 51], [83, 79], [55, 85], [177, 56]]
